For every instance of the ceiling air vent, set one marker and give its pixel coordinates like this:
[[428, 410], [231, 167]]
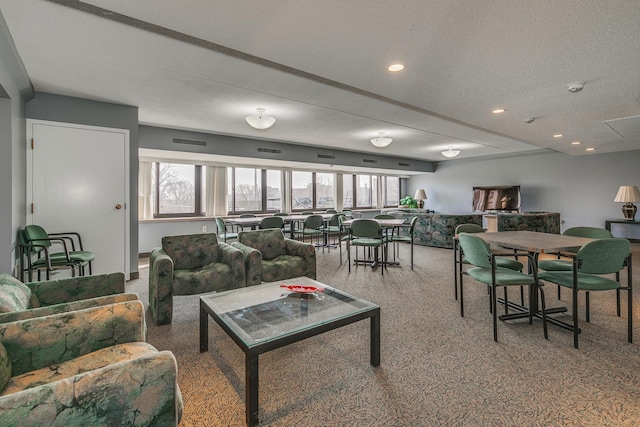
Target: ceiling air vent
[[269, 150], [407, 165], [326, 156], [369, 161], [189, 142]]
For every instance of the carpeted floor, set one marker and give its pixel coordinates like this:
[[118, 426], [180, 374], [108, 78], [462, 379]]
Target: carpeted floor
[[438, 369]]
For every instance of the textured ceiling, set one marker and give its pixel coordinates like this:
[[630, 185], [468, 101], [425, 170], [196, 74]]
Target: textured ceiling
[[320, 68]]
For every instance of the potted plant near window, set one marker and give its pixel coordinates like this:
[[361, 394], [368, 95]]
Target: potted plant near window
[[408, 202]]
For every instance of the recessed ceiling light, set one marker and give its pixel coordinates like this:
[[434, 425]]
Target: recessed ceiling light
[[558, 135], [575, 143], [590, 149], [498, 111], [396, 67]]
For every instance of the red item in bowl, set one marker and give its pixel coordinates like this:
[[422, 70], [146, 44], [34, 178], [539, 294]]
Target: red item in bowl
[[302, 288]]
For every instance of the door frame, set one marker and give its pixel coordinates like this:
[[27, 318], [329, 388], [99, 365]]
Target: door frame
[[127, 172]]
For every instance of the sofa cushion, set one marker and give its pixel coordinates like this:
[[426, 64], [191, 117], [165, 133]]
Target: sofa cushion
[[269, 242], [213, 277], [5, 367], [193, 251], [15, 295], [88, 362], [283, 267]]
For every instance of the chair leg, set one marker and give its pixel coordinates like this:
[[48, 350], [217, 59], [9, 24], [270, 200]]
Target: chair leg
[[559, 291], [587, 306], [461, 297], [412, 255], [544, 312], [495, 312]]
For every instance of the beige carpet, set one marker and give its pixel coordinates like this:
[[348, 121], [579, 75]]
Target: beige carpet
[[438, 369]]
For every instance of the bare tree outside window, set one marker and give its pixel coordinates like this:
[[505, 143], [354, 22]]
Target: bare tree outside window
[[176, 188]]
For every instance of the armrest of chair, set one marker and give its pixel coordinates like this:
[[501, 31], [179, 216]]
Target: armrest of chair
[[65, 307], [77, 288], [43, 341], [234, 258], [144, 390], [252, 263], [160, 281], [304, 250]]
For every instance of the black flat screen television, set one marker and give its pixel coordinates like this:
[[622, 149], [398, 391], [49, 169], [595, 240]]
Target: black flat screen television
[[496, 198]]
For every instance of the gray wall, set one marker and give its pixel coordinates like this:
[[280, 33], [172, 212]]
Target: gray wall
[[581, 188], [162, 139], [66, 109], [15, 89]]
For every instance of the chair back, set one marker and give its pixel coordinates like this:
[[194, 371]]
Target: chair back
[[603, 256], [191, 251], [271, 222], [476, 251], [412, 225], [469, 228], [592, 232], [270, 242], [384, 216], [222, 227], [281, 214], [307, 213], [36, 235], [366, 228], [334, 221], [313, 222], [347, 212], [332, 211]]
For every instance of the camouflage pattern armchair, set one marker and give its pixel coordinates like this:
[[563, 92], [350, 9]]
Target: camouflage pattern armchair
[[188, 265], [269, 256], [87, 367], [19, 301]]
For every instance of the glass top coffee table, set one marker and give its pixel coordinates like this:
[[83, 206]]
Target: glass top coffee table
[[268, 316]]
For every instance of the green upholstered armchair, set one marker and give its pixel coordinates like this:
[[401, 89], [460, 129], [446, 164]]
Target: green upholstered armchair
[[188, 265], [86, 367], [19, 301], [269, 256]]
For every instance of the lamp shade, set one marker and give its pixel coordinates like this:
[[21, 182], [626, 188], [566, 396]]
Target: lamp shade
[[450, 153], [420, 195], [260, 120], [381, 141], [627, 194]]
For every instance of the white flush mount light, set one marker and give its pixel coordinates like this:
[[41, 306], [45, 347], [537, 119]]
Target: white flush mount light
[[396, 67], [575, 87], [381, 141], [260, 120], [450, 153]]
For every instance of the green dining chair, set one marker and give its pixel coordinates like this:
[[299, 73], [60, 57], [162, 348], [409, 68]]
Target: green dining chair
[[484, 269], [560, 264], [589, 266], [368, 234], [271, 222], [408, 238], [223, 233]]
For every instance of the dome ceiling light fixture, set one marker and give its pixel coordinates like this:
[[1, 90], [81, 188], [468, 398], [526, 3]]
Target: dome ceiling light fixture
[[381, 141], [260, 120], [450, 153]]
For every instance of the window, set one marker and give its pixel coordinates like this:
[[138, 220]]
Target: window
[[324, 190], [301, 190], [246, 194], [363, 191], [391, 190], [177, 190], [274, 191]]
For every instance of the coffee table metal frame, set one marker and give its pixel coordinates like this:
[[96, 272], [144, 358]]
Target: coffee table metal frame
[[252, 351]]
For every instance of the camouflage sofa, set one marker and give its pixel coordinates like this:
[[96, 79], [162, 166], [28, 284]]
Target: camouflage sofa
[[20, 301], [433, 229], [188, 265], [87, 367], [269, 256], [543, 222]]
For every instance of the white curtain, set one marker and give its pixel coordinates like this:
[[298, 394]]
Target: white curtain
[[145, 189], [285, 191], [216, 177], [378, 195]]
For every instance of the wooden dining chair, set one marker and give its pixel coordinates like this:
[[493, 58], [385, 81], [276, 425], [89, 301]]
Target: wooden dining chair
[[589, 267]]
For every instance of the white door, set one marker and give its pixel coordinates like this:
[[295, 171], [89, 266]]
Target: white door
[[78, 180]]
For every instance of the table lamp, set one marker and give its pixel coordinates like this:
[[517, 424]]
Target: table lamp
[[420, 196], [628, 194]]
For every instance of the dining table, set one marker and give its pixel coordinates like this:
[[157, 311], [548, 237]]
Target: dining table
[[535, 243], [254, 222]]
